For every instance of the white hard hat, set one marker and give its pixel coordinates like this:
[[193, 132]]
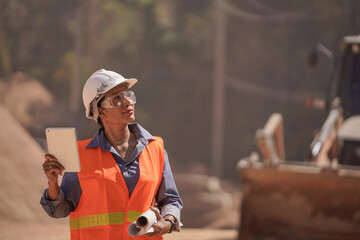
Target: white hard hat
[[98, 84]]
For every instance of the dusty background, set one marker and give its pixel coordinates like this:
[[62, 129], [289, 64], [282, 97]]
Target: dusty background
[[49, 49]]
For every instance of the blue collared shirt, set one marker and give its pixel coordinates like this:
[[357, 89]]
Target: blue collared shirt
[[167, 196]]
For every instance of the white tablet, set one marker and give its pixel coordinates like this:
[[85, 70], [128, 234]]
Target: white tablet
[[62, 143]]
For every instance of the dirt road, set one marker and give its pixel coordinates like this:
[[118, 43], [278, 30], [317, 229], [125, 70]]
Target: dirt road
[[60, 231]]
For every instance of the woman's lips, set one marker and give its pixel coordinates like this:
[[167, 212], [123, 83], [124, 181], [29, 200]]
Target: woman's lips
[[129, 111]]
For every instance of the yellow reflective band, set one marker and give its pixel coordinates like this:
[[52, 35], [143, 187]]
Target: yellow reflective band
[[97, 220], [133, 215]]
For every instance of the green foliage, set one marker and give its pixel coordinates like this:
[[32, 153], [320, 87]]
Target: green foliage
[[122, 28], [169, 46]]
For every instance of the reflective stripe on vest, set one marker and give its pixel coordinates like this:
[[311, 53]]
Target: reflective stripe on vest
[[102, 219]]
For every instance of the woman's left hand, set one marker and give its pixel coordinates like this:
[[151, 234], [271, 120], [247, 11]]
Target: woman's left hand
[[161, 227]]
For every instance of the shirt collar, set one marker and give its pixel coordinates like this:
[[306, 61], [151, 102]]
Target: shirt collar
[[141, 134]]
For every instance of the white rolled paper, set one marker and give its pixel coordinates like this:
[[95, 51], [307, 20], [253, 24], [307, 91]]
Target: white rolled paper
[[143, 224]]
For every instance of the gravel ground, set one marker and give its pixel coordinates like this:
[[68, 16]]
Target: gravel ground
[[60, 231]]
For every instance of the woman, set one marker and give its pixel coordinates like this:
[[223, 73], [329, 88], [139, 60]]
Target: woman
[[124, 170]]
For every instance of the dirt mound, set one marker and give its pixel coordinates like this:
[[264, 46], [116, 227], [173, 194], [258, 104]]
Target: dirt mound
[[208, 201], [26, 106], [21, 177], [26, 99], [31, 104]]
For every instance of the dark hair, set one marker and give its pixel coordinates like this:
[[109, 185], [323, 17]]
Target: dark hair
[[99, 122]]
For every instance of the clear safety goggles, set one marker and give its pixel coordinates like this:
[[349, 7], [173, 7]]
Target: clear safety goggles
[[116, 100]]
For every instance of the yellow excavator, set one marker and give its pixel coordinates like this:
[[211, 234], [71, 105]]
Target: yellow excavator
[[318, 198]]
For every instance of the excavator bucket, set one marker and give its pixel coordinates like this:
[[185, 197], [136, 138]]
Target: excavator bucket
[[299, 201], [318, 199]]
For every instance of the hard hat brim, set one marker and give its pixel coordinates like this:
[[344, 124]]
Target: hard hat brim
[[131, 82]]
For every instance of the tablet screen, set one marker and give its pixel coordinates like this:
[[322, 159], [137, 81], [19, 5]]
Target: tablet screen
[[62, 143]]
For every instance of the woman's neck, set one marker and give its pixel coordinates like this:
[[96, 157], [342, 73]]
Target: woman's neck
[[117, 135], [122, 140]]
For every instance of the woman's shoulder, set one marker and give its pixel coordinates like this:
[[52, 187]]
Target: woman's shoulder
[[85, 140], [141, 132], [159, 139], [84, 143]]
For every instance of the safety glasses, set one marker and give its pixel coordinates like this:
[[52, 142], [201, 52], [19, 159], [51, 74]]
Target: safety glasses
[[115, 101]]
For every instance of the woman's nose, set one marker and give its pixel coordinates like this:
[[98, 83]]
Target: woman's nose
[[126, 102]]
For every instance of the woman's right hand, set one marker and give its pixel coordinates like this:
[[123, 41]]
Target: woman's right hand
[[52, 169]]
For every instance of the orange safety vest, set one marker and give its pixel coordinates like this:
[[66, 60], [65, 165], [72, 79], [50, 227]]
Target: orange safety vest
[[105, 210]]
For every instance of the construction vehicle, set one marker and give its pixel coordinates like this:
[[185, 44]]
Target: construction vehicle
[[318, 198]]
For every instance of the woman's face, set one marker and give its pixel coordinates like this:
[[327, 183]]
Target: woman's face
[[123, 114]]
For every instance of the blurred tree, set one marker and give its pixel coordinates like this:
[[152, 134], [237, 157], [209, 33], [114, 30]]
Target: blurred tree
[[168, 46]]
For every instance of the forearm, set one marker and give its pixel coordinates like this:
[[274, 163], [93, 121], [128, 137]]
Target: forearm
[[59, 202], [57, 208], [53, 190], [168, 199]]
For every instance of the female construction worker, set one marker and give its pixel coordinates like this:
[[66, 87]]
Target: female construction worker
[[124, 170]]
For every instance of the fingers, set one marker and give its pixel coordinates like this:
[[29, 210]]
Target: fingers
[[49, 156], [157, 213], [160, 227], [49, 165], [52, 163], [54, 166], [152, 235], [51, 159]]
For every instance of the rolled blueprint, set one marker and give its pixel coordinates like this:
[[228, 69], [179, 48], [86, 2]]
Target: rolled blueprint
[[143, 224]]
